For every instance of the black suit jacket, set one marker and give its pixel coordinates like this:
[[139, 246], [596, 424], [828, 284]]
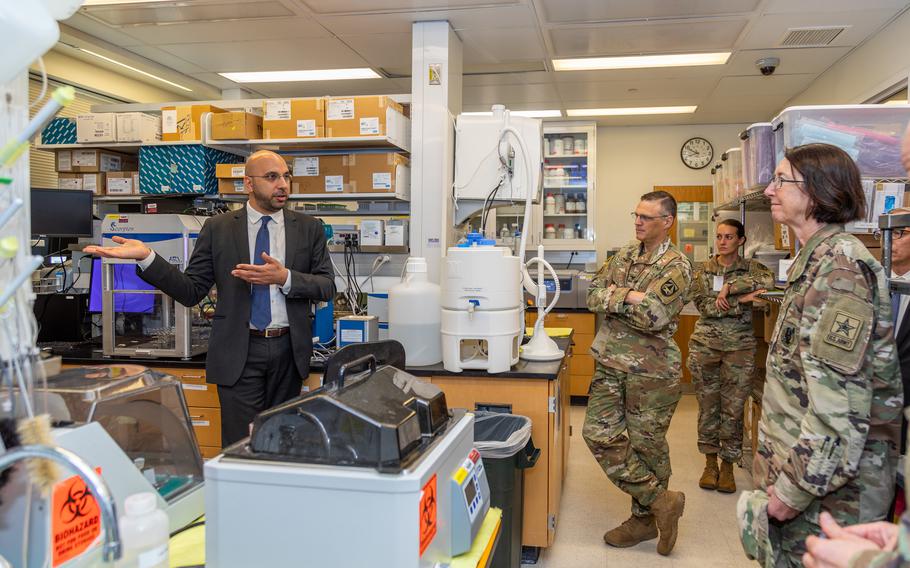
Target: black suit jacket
[[223, 244], [903, 357]]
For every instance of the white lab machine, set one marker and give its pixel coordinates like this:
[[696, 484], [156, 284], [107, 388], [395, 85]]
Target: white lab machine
[[370, 470], [137, 319]]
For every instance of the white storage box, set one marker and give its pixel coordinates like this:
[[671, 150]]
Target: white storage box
[[733, 173], [870, 134], [138, 127], [396, 233], [371, 232], [758, 156], [96, 127]]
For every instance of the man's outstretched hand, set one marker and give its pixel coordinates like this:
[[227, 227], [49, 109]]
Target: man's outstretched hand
[[126, 249], [272, 272]]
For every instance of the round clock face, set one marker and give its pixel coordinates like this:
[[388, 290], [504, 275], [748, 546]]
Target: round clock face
[[697, 153]]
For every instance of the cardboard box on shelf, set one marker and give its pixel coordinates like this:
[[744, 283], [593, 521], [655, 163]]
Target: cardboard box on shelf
[[92, 161], [138, 127], [186, 168], [94, 182], [184, 122], [236, 125], [122, 183], [96, 127], [321, 174], [230, 186], [385, 172], [362, 116], [293, 118], [230, 178], [229, 171]]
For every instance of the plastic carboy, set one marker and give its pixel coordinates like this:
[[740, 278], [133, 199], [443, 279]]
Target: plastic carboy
[[144, 530], [414, 315]]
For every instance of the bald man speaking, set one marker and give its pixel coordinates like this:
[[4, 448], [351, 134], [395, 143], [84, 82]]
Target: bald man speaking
[[269, 265]]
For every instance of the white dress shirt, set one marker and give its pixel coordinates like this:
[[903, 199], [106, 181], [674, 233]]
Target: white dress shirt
[[276, 251]]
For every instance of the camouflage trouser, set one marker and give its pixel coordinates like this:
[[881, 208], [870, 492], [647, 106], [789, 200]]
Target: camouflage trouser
[[772, 543], [626, 429], [722, 382]]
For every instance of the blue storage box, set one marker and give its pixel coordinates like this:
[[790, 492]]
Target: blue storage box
[[59, 131], [185, 168]]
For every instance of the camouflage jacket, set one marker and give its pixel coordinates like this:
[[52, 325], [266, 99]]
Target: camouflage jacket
[[639, 339], [897, 558], [727, 330], [831, 407]]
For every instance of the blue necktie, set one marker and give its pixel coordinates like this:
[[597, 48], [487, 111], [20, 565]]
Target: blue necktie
[[895, 306], [260, 307]]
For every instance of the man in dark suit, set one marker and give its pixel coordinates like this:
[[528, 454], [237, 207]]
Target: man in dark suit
[[261, 340], [900, 268]]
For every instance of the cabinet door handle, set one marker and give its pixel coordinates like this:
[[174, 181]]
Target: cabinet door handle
[[196, 416], [193, 376]]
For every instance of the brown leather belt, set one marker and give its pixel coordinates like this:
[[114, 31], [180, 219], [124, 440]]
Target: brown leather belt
[[271, 332]]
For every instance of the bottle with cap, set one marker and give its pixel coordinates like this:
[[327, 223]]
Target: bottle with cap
[[560, 203], [571, 205], [579, 232], [549, 204], [549, 231], [504, 232], [144, 532], [581, 206]]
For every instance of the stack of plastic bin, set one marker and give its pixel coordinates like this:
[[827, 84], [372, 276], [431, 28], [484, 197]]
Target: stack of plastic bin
[[733, 173], [720, 193], [870, 134], [758, 156]]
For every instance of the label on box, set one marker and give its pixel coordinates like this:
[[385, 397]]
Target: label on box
[[238, 171], [340, 109], [169, 121], [164, 189], [90, 182], [192, 387], [352, 336], [306, 128], [334, 184], [369, 125], [306, 166], [278, 109], [84, 158], [197, 188], [120, 186], [110, 163], [201, 423], [64, 161], [238, 186], [69, 183], [382, 180]]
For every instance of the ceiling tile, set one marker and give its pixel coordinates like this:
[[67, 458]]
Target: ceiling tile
[[480, 79], [829, 6], [486, 17], [348, 6], [646, 38], [382, 50], [270, 55], [759, 86], [129, 14], [500, 45], [770, 29], [336, 88], [166, 59], [98, 29], [695, 89], [560, 11], [509, 94], [213, 32], [792, 61]]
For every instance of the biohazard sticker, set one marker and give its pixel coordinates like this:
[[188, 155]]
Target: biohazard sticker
[[75, 519], [427, 514], [844, 331]]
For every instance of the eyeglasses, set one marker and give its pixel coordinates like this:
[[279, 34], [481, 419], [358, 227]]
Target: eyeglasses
[[895, 233], [730, 237], [778, 181], [646, 218], [273, 177]]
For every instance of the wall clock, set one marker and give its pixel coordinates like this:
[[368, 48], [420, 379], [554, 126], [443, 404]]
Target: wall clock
[[696, 153]]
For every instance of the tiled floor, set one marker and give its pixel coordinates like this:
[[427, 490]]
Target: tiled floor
[[708, 534]]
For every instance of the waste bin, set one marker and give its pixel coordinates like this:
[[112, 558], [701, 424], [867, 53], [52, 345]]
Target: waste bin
[[504, 442]]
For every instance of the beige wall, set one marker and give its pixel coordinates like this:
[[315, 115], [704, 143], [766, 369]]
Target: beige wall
[[878, 64], [81, 74], [631, 160]]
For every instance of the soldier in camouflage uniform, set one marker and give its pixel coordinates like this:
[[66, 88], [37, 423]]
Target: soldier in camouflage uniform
[[829, 429], [635, 388], [722, 350]]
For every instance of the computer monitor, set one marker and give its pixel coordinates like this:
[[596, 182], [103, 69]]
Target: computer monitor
[[61, 212], [125, 277]]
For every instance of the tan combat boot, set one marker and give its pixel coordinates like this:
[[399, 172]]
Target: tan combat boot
[[633, 531], [667, 509], [709, 476], [725, 482]]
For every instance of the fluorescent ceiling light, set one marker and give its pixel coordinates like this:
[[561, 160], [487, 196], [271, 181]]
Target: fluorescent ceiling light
[[895, 102], [630, 111], [527, 113], [303, 75], [641, 61], [131, 68]]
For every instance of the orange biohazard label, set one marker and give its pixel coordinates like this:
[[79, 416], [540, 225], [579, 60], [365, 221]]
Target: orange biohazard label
[[427, 514], [75, 519]]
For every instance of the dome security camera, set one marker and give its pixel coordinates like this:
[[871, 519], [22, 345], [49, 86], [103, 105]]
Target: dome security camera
[[767, 65]]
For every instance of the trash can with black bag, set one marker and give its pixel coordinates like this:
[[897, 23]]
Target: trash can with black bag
[[504, 442]]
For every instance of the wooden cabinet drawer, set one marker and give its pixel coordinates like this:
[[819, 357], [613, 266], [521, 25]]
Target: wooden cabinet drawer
[[208, 452], [207, 425], [582, 343], [198, 393], [580, 322], [581, 364], [579, 384]]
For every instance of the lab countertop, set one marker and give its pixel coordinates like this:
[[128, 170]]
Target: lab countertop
[[549, 370]]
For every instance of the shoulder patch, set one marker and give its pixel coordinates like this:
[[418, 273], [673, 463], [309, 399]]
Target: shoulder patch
[[668, 289], [843, 333], [844, 330]]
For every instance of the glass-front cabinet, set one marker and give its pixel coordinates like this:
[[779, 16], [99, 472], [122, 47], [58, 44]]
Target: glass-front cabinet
[[694, 230], [566, 211]]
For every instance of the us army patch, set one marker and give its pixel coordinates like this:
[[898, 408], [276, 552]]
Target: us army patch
[[843, 330], [669, 290]]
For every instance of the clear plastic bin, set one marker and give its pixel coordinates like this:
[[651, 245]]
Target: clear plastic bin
[[720, 192], [758, 156], [733, 173], [870, 134]]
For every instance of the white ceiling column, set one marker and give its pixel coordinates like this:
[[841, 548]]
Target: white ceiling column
[[436, 65]]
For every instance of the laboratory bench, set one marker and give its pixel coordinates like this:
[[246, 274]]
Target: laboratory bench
[[538, 390]]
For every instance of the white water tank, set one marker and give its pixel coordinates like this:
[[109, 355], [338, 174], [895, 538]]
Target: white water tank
[[481, 277], [414, 315]]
